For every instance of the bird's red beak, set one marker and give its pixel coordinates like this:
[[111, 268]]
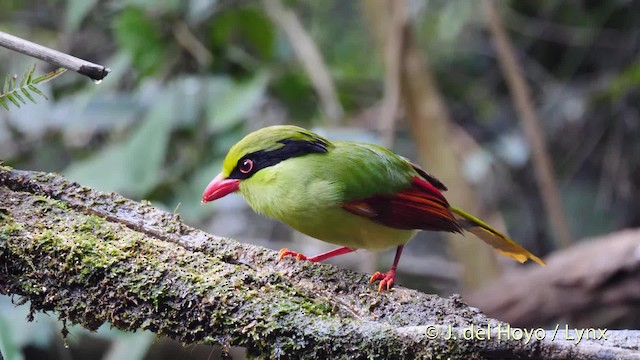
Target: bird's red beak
[[220, 187]]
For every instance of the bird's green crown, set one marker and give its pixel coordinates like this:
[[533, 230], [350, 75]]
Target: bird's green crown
[[269, 146]]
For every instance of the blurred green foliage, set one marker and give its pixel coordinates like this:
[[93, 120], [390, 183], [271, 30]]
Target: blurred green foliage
[[192, 77], [247, 25], [140, 37]]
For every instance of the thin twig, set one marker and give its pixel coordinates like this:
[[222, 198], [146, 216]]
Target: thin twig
[[309, 56], [94, 71], [192, 44], [530, 124]]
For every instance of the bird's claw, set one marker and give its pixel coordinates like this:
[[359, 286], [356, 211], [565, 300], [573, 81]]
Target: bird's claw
[[286, 252], [386, 280]]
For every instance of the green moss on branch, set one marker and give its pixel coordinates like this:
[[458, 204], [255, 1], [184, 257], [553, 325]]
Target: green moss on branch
[[94, 258]]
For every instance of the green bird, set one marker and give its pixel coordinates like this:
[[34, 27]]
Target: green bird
[[352, 194]]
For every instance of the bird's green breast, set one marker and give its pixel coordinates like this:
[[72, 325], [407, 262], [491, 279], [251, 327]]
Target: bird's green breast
[[306, 193]]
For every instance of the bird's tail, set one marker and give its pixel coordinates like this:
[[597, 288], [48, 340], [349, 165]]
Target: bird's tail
[[502, 243]]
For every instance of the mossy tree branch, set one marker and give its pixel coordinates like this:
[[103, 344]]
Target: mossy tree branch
[[93, 258]]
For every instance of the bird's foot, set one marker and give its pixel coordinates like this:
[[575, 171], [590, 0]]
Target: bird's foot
[[286, 252], [386, 280]]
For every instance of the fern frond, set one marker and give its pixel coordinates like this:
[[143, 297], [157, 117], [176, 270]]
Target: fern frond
[[14, 91], [48, 76]]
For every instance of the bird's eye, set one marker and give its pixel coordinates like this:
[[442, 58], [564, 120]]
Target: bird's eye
[[246, 166]]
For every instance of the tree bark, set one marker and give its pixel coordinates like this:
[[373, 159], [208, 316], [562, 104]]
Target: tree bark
[[93, 258]]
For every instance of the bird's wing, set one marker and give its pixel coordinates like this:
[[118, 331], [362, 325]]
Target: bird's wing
[[389, 189], [420, 206], [397, 193], [371, 169]]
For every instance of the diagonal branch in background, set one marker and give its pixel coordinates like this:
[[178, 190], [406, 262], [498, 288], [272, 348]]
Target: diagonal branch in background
[[190, 42], [93, 258], [530, 124], [309, 56], [94, 71]]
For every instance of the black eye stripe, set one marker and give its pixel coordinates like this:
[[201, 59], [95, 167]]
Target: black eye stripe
[[292, 148]]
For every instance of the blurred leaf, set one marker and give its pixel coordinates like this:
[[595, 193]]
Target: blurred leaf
[[76, 11], [453, 17], [295, 91], [9, 348], [133, 166], [627, 79], [224, 142], [140, 36], [245, 25], [233, 104], [97, 105], [188, 194], [440, 26], [16, 332], [349, 53], [199, 10], [129, 345]]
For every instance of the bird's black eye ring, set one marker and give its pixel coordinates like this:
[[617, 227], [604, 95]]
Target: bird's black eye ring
[[246, 166]]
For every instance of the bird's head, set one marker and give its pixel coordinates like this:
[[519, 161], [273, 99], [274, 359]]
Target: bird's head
[[259, 150]]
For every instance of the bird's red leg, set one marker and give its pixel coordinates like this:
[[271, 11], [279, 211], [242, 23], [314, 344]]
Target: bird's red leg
[[386, 280], [324, 256]]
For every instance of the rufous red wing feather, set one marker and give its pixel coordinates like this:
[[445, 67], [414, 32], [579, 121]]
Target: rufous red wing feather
[[421, 206]]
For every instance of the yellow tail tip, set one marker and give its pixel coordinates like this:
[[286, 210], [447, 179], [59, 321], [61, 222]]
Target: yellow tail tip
[[500, 242], [522, 257], [537, 259]]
